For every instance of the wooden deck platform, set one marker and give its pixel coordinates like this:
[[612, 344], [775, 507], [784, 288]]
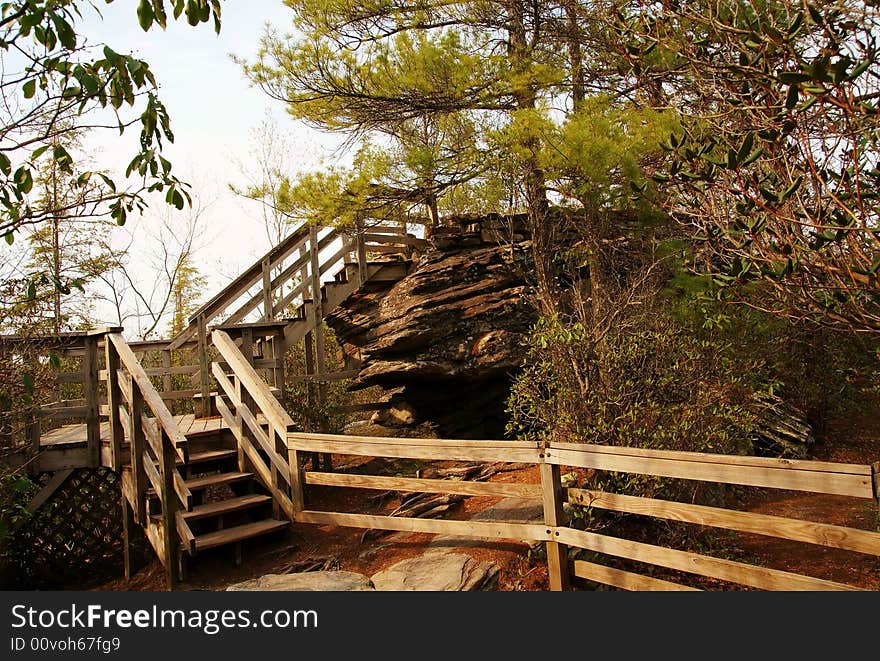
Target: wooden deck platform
[[66, 447], [76, 434]]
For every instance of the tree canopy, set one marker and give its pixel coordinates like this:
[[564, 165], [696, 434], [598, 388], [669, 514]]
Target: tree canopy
[[54, 82]]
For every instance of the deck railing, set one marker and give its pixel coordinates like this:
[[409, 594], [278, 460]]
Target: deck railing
[[259, 423], [149, 473]]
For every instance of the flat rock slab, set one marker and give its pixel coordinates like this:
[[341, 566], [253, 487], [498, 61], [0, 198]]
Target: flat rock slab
[[437, 571], [510, 510], [314, 581]]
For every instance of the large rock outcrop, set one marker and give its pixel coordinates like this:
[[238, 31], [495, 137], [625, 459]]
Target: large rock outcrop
[[446, 339]]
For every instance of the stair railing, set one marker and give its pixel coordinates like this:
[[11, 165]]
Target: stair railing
[[155, 443], [251, 407]]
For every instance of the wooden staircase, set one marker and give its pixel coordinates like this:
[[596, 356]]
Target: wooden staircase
[[192, 495], [229, 505]]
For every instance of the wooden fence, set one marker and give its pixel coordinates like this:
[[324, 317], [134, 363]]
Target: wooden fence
[[852, 480]]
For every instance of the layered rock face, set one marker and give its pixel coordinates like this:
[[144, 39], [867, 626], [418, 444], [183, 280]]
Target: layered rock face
[[447, 338]]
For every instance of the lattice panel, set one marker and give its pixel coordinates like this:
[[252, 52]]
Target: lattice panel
[[75, 538]]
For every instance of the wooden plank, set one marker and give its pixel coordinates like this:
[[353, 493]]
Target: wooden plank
[[626, 580], [849, 539], [424, 485], [256, 387], [327, 376], [394, 239], [726, 570], [413, 451], [69, 377], [48, 490], [268, 313], [725, 459], [167, 370], [475, 529], [441, 443], [153, 476], [51, 460], [167, 471], [64, 413], [138, 447], [187, 539], [835, 483]]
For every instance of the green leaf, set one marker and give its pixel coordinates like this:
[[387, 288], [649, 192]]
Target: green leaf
[[30, 88], [55, 360], [794, 77], [9, 238], [28, 382], [788, 192], [791, 97], [746, 147], [145, 14], [5, 164], [754, 156], [31, 291]]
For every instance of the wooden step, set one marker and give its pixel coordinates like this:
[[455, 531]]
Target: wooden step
[[206, 481], [238, 533], [227, 506], [209, 455]]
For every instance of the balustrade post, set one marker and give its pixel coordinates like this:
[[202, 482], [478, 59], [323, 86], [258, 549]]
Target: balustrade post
[[90, 387], [170, 537], [114, 399], [138, 446]]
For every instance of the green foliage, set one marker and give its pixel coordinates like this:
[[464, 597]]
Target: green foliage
[[15, 493], [64, 80], [776, 159]]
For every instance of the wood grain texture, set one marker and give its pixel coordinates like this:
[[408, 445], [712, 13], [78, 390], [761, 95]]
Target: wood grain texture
[[740, 573], [475, 529], [849, 539], [625, 580], [834, 483], [411, 484]]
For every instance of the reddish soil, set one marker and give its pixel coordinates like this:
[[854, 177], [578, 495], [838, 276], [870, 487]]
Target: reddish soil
[[856, 440]]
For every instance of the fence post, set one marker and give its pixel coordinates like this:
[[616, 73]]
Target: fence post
[[204, 376], [114, 397], [167, 383], [138, 445], [318, 308], [169, 508], [557, 554], [361, 250], [90, 386], [32, 431], [297, 498], [268, 314]]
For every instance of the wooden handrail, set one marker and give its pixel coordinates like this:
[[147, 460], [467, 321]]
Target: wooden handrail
[[251, 381], [266, 450], [150, 394], [156, 444]]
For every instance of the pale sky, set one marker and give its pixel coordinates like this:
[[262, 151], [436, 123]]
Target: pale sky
[[213, 112]]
